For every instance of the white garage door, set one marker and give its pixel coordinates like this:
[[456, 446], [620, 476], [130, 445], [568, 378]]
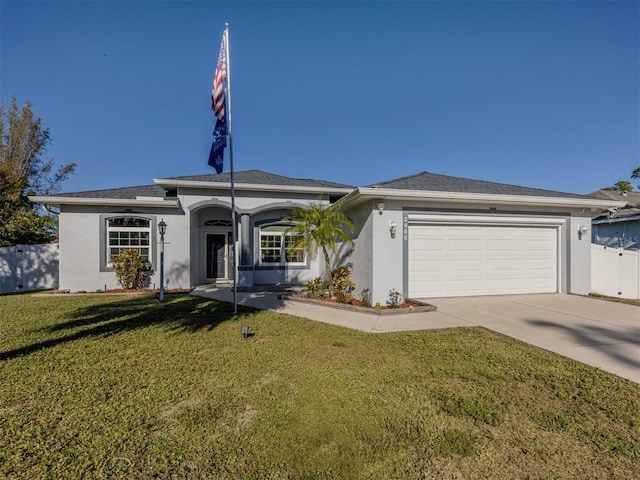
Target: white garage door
[[459, 260]]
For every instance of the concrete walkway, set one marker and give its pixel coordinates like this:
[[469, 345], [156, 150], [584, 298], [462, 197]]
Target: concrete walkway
[[596, 332]]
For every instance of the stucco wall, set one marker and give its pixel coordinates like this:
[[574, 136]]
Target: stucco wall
[[361, 257], [387, 252], [82, 248], [579, 254]]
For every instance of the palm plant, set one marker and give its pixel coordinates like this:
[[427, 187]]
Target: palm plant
[[319, 227]]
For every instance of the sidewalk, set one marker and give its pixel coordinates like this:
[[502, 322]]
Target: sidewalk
[[359, 321]]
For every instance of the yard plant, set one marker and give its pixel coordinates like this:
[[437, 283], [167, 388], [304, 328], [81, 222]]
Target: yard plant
[[323, 227], [132, 271], [126, 387]]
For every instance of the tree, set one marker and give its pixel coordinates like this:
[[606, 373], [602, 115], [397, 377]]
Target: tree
[[320, 227], [24, 171], [635, 173], [621, 186]]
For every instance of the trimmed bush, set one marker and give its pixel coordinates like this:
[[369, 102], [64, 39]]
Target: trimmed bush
[[131, 269]]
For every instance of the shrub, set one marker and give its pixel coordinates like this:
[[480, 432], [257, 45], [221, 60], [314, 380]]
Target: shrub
[[315, 288], [342, 284], [131, 269]]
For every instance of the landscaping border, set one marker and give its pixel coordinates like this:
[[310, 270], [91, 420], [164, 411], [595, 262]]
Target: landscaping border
[[416, 306]]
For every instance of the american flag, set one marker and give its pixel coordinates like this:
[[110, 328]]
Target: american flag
[[217, 90]]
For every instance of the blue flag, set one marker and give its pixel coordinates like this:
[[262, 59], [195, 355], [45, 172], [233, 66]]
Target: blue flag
[[218, 145]]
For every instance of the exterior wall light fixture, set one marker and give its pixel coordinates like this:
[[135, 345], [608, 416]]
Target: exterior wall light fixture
[[393, 226], [582, 230]]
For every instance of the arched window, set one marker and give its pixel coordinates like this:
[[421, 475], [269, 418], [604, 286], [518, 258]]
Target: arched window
[[217, 223], [275, 246], [127, 233]]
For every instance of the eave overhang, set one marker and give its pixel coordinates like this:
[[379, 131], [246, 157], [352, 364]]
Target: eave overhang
[[363, 194], [110, 202]]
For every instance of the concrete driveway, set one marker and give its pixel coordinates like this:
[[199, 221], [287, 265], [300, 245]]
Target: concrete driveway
[[596, 332]]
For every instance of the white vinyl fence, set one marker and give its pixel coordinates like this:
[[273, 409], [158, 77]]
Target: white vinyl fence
[[25, 268], [615, 272]]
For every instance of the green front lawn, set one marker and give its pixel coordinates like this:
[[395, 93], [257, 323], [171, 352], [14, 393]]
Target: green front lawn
[[126, 387]]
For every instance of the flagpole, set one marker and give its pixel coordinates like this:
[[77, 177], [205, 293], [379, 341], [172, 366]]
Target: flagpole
[[233, 191]]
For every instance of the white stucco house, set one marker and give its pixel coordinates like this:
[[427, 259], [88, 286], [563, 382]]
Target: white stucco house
[[424, 235]]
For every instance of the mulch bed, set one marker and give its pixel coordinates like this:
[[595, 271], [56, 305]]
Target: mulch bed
[[409, 306]]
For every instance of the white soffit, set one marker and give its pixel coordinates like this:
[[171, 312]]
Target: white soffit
[[362, 194], [137, 202]]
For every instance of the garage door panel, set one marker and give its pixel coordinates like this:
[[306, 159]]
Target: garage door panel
[[464, 246], [497, 266], [460, 260], [502, 245]]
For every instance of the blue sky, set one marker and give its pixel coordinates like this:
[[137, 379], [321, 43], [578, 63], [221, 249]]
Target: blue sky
[[536, 93]]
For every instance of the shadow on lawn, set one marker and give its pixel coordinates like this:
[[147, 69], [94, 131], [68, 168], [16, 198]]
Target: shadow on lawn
[[180, 311]]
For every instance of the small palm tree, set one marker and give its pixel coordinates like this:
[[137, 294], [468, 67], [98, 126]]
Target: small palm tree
[[320, 226]]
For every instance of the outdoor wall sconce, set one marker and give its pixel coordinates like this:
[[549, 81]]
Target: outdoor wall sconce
[[244, 330], [393, 226], [380, 206], [582, 230], [162, 229]]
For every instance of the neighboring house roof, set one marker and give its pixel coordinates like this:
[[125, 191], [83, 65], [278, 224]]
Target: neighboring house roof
[[435, 187], [629, 212]]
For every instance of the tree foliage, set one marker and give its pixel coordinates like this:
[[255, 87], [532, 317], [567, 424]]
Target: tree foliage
[[25, 171], [320, 227], [621, 186]]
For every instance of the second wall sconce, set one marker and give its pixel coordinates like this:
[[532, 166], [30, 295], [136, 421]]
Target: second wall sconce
[[393, 226]]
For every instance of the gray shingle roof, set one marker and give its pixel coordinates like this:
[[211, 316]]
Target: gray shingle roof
[[631, 209], [259, 177], [119, 193], [443, 183]]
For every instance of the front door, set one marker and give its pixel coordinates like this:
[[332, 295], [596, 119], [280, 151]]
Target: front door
[[216, 257]]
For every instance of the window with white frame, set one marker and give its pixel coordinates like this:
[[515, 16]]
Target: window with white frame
[[276, 243], [127, 233]]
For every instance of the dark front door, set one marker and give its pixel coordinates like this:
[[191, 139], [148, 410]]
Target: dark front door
[[216, 256]]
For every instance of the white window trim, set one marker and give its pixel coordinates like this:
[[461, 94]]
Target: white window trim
[[109, 229], [283, 252]]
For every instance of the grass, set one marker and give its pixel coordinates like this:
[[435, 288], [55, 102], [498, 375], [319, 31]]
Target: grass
[[127, 388]]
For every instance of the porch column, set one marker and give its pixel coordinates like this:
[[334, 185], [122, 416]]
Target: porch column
[[245, 240], [245, 269]]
